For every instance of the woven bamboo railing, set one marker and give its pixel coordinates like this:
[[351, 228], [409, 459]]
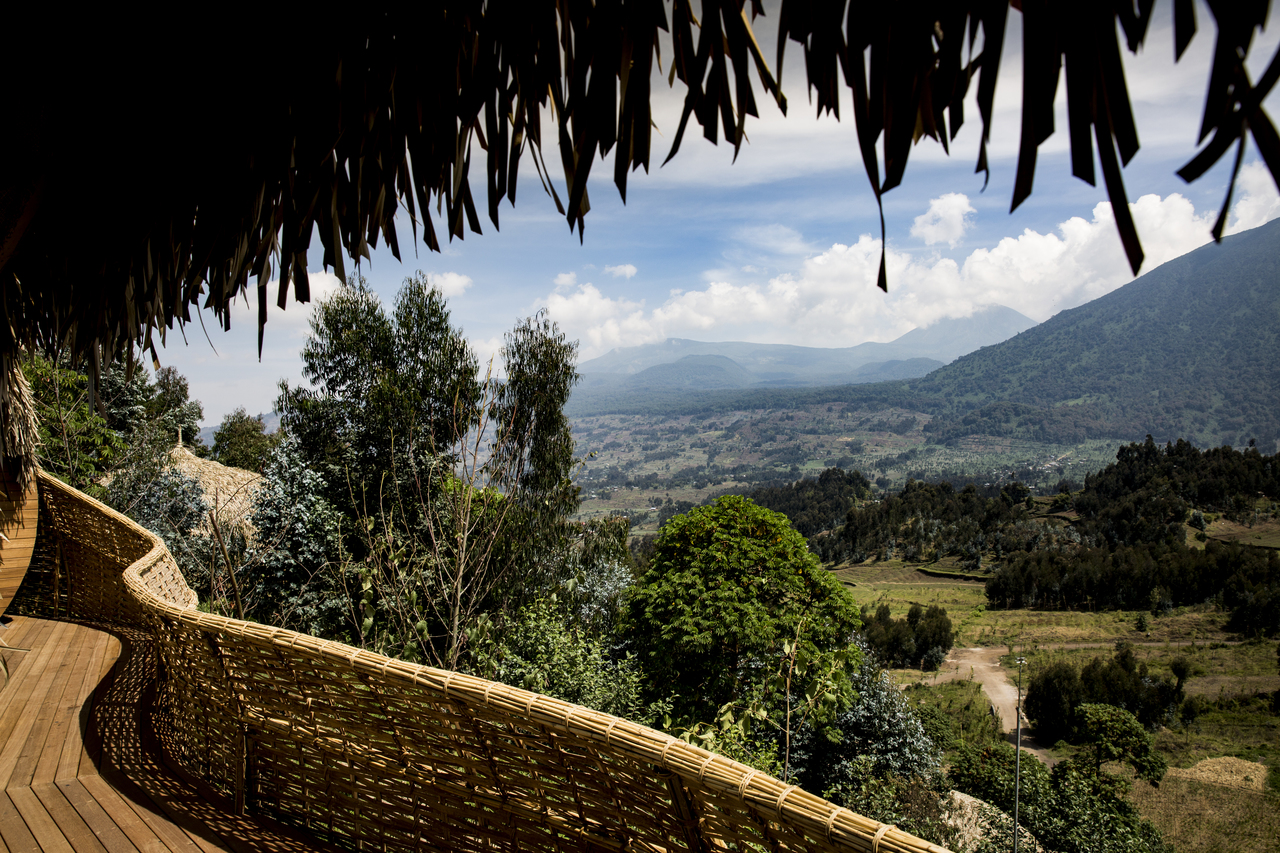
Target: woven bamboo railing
[[372, 753]]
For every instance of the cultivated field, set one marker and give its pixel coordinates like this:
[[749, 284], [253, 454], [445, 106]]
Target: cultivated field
[[1223, 789]]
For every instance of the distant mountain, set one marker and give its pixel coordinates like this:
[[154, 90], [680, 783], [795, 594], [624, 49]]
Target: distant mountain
[[693, 372], [1189, 350], [914, 354]]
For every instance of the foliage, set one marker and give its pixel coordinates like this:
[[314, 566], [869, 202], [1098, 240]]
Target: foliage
[[540, 650], [878, 733], [455, 490], [927, 521], [1071, 809], [1113, 734], [922, 639], [77, 445], [955, 714], [289, 571], [918, 805], [815, 505], [149, 489], [172, 407], [241, 441], [1057, 694], [384, 388], [728, 586]]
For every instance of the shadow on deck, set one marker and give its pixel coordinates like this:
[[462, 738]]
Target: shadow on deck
[[80, 768]]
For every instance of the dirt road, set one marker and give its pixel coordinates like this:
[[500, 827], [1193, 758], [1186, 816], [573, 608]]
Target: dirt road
[[983, 664]]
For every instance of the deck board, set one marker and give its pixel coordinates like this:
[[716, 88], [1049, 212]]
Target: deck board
[[104, 827], [79, 770]]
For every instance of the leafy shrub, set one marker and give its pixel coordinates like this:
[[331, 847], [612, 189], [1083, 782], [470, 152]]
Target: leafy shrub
[[539, 651], [728, 586], [879, 733]]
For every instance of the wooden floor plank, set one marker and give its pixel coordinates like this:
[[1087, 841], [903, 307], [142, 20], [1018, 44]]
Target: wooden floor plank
[[67, 710], [113, 836], [64, 729], [124, 807], [37, 632], [50, 710], [109, 805], [91, 755], [75, 752], [69, 822], [13, 632], [28, 694], [13, 829], [49, 838], [84, 681]]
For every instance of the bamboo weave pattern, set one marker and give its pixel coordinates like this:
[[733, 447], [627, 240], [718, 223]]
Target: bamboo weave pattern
[[373, 753]]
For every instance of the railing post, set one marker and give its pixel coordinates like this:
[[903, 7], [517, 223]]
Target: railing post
[[241, 758], [687, 813]]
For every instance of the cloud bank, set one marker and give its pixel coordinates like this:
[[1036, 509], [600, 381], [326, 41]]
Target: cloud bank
[[830, 298]]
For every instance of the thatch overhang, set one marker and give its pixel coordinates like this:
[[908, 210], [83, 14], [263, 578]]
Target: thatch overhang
[[148, 171]]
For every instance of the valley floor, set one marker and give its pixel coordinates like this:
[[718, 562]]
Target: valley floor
[[1223, 787]]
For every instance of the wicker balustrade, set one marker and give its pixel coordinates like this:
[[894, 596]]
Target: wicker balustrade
[[373, 753]]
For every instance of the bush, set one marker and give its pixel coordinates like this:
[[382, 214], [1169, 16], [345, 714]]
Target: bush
[[879, 733], [1051, 701], [728, 588]]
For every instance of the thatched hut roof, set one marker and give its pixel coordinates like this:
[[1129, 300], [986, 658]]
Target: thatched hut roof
[[146, 172], [231, 490]]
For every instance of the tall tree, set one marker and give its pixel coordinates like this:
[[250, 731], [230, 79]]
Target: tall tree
[[731, 597], [241, 441], [456, 489]]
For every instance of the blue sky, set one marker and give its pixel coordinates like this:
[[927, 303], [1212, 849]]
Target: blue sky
[[782, 246]]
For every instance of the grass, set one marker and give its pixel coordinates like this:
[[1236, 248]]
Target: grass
[[900, 585], [961, 714], [1218, 669], [1242, 726], [1235, 678], [1205, 818]]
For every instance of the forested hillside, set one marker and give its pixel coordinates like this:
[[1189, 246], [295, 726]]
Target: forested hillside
[[1189, 350]]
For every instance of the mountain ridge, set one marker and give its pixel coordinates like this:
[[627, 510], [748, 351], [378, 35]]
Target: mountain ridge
[[912, 354]]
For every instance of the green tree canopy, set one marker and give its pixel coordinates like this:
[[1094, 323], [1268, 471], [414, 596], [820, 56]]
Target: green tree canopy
[[381, 384], [241, 441], [729, 585]]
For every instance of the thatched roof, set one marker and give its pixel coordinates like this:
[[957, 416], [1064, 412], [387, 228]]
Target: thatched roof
[[147, 172], [231, 490]]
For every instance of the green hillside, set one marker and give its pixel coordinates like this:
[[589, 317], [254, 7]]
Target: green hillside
[[1192, 349]]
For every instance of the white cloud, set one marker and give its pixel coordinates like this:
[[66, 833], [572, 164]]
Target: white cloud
[[566, 279], [830, 298], [600, 322], [450, 283], [1259, 202], [622, 270], [945, 221]]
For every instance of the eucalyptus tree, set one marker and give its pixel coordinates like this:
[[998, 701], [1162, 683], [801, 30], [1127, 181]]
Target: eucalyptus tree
[[455, 487]]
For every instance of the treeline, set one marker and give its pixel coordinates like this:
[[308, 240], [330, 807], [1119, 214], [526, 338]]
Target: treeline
[[927, 521], [815, 505], [1132, 528], [1057, 693], [1221, 479], [1141, 577], [922, 639]]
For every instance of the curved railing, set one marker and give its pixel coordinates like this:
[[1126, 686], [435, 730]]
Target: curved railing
[[373, 753]]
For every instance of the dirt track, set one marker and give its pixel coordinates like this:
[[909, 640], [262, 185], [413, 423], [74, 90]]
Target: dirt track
[[984, 664]]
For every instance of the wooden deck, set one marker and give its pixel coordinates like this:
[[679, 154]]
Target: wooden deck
[[79, 767]]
